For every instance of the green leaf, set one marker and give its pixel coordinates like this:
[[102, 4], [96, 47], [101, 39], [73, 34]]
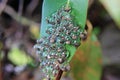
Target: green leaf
[[49, 7], [79, 13], [86, 64], [72, 50], [112, 6], [34, 30], [19, 57]]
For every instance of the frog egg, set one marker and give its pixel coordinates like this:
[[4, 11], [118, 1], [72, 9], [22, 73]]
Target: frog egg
[[65, 23], [57, 21], [64, 13], [74, 36], [59, 40], [38, 52], [83, 36], [48, 57], [54, 15], [65, 67], [78, 32], [56, 66], [60, 29], [35, 46], [76, 43], [55, 72], [70, 26], [46, 43], [58, 12], [45, 54], [48, 63], [39, 41], [50, 30], [62, 36], [68, 9], [52, 54], [52, 40], [60, 60], [57, 33], [43, 64], [60, 48], [50, 21], [74, 29], [48, 77], [41, 48], [47, 48], [38, 48], [67, 38], [52, 46], [53, 36], [67, 17], [56, 56], [64, 54], [68, 42], [47, 19]]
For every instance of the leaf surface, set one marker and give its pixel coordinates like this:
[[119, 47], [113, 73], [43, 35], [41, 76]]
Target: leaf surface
[[79, 13], [86, 64]]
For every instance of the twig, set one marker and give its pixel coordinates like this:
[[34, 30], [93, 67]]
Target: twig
[[59, 75], [90, 27], [2, 5], [20, 19], [1, 70], [20, 8], [31, 7]]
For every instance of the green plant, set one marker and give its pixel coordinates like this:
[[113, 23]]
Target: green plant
[[62, 29], [112, 9]]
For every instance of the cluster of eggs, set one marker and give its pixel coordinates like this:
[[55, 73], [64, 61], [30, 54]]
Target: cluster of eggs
[[51, 49]]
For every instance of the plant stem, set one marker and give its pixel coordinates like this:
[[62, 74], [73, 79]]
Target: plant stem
[[59, 75], [2, 5], [24, 21], [68, 2], [20, 8]]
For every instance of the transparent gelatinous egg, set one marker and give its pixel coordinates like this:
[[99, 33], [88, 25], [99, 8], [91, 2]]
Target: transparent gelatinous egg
[[51, 49]]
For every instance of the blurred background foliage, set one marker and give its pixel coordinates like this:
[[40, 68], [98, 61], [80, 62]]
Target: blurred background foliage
[[97, 59], [113, 9], [88, 56]]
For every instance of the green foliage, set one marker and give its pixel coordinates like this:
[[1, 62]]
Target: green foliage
[[96, 30], [34, 30], [1, 55], [86, 64], [19, 57], [112, 6], [1, 45], [79, 12]]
